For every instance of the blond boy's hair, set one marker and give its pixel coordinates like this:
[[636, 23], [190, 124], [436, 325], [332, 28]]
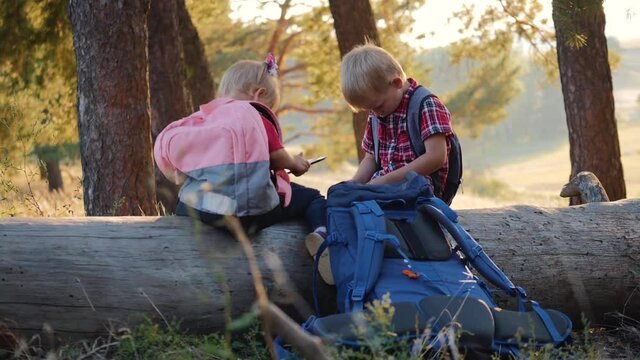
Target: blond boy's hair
[[247, 76], [367, 70]]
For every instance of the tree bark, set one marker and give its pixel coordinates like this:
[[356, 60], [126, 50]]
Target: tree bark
[[199, 81], [110, 41], [167, 69], [354, 24], [79, 273], [585, 75], [170, 100]]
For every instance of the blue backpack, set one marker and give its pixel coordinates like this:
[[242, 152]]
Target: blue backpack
[[390, 239], [414, 112]]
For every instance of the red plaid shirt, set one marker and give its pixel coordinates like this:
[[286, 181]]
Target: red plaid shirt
[[395, 147]]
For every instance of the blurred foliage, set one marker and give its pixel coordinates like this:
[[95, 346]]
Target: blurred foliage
[[482, 101], [226, 41], [36, 35], [57, 152], [499, 26], [37, 75], [535, 123], [506, 21], [491, 36], [37, 65], [13, 165]]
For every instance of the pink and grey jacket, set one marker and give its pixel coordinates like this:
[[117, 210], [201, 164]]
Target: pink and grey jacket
[[220, 155]]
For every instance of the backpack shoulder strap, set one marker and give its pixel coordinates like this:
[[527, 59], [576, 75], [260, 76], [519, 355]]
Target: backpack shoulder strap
[[473, 251], [372, 236], [442, 213], [375, 122], [269, 115], [414, 112], [454, 176]]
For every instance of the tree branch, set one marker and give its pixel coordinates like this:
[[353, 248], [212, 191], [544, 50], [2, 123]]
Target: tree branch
[[521, 25], [298, 67], [284, 51], [288, 107], [281, 26]]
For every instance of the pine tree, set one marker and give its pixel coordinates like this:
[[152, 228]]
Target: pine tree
[[585, 75], [114, 122]]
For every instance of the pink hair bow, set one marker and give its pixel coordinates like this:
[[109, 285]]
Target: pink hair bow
[[272, 66]]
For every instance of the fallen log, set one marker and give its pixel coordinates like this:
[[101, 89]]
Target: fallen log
[[87, 276]]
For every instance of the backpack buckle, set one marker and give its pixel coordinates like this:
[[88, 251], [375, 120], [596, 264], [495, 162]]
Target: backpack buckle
[[307, 324], [357, 295], [369, 206], [334, 238], [374, 236]]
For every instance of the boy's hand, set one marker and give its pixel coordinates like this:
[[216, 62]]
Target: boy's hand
[[300, 165], [377, 181], [366, 169]]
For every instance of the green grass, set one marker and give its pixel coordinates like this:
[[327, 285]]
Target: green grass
[[149, 341]]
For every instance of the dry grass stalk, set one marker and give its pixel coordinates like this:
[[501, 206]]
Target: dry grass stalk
[[234, 226], [309, 346]]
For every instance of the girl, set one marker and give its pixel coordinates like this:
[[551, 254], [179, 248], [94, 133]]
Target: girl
[[230, 159]]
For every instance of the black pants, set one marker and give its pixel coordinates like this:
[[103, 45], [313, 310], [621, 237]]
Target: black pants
[[305, 202]]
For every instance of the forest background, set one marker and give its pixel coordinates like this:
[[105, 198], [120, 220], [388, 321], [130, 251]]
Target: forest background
[[75, 138], [507, 106]]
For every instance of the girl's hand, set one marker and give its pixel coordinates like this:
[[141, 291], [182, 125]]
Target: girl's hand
[[300, 165]]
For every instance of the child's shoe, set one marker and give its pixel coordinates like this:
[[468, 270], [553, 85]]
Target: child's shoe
[[313, 242]]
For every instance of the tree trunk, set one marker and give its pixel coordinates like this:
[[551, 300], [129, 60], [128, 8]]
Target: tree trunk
[[199, 81], [78, 273], [110, 42], [588, 98], [170, 100], [50, 171], [54, 176], [354, 24]]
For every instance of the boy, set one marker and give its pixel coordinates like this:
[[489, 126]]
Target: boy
[[372, 80]]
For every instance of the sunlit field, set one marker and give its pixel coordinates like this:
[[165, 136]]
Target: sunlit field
[[31, 196], [535, 181]]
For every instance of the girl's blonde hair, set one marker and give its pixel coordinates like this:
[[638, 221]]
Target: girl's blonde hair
[[247, 76], [367, 70]]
